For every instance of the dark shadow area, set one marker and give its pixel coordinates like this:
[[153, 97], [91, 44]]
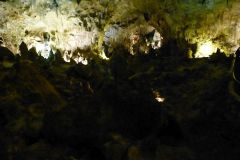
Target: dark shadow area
[[107, 110]]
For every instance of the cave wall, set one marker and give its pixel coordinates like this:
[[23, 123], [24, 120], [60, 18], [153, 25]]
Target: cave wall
[[84, 24]]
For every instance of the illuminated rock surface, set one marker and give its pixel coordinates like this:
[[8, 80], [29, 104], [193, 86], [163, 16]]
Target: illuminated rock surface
[[72, 25]]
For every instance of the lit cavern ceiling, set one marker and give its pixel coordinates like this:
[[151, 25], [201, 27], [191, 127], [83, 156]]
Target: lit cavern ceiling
[[92, 25]]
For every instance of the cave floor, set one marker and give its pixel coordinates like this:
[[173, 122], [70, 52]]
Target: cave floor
[[107, 109]]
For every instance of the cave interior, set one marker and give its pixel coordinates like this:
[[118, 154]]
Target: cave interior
[[119, 79]]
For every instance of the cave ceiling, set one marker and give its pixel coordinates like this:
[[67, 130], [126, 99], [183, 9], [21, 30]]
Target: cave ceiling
[[93, 24]]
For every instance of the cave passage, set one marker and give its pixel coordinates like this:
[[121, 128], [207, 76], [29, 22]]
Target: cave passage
[[119, 80]]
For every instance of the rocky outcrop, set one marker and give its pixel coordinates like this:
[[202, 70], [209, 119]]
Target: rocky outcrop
[[112, 109]]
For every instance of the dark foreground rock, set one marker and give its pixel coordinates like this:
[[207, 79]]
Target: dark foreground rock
[[108, 109]]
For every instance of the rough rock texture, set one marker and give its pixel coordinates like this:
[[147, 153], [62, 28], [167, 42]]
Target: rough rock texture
[[85, 24], [110, 110], [135, 106]]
